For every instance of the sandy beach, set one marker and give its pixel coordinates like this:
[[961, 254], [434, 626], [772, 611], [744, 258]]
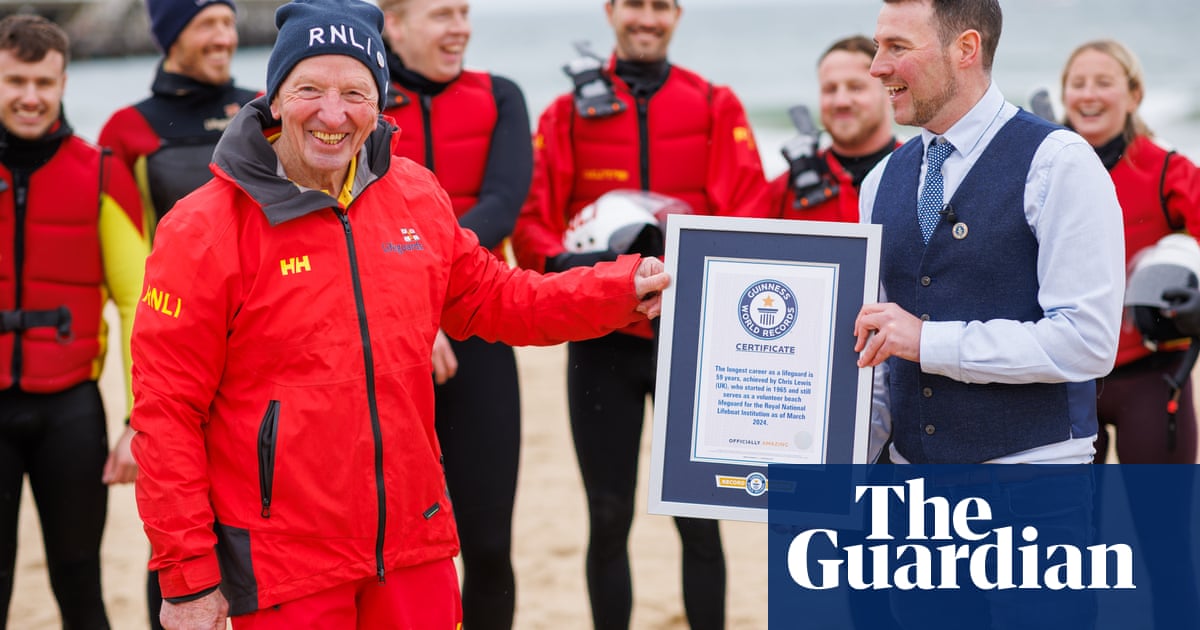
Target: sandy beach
[[550, 533]]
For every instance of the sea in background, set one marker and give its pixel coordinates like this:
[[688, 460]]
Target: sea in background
[[766, 50]]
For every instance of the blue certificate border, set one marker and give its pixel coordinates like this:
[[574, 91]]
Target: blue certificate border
[[683, 487]]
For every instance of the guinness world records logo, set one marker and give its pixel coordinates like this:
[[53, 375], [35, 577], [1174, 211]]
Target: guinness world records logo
[[767, 309], [756, 484]]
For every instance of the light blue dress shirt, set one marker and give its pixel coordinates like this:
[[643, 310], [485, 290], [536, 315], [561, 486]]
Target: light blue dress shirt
[[1071, 207]]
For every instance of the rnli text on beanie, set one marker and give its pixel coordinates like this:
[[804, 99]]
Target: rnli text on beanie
[[308, 28], [168, 18]]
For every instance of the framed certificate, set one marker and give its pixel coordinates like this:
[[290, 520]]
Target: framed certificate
[[756, 361]]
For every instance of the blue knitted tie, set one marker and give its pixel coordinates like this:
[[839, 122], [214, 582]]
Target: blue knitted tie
[[929, 205]]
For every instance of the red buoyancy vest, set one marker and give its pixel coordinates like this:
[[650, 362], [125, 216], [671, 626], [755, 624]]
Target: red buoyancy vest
[[62, 266], [461, 123], [607, 151]]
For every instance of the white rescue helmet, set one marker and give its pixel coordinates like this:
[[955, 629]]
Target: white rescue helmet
[[623, 221], [1172, 262]]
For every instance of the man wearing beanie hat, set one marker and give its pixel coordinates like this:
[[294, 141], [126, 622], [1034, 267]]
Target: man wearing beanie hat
[[290, 475], [167, 139], [169, 18]]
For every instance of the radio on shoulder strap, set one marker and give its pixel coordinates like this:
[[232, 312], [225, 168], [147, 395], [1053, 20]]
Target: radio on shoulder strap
[[807, 171], [594, 97]]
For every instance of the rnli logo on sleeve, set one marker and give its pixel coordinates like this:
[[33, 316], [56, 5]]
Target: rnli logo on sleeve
[[767, 309], [162, 302]]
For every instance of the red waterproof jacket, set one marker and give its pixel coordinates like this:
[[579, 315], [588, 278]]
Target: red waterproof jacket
[[284, 408], [697, 146], [71, 235], [1143, 178]]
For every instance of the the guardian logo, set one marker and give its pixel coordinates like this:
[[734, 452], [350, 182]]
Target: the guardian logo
[[974, 553]]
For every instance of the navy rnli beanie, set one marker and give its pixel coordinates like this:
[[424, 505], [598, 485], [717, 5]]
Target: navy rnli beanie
[[168, 18], [308, 28]]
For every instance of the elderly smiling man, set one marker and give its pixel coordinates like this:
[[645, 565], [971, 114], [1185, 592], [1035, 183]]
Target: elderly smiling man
[[290, 473]]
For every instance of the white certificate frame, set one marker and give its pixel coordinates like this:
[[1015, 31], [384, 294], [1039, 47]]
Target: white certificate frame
[[705, 257]]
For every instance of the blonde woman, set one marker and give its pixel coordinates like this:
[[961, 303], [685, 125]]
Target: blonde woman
[[1159, 193]]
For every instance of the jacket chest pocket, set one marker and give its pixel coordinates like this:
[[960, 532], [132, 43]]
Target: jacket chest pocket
[[268, 433]]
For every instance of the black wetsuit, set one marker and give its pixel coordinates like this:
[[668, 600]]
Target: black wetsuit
[[608, 380], [60, 441], [478, 411]]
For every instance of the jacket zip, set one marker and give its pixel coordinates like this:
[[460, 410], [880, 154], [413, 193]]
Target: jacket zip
[[427, 120], [372, 403], [20, 197], [643, 108], [267, 433]]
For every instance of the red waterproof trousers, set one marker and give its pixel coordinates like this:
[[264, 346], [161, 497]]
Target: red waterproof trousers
[[424, 597]]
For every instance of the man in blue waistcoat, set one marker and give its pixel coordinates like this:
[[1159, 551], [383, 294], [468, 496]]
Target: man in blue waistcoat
[[1002, 260]]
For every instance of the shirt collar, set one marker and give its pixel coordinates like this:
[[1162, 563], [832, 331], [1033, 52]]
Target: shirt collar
[[967, 132]]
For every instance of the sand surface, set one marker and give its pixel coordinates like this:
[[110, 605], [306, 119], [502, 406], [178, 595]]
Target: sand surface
[[550, 533]]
